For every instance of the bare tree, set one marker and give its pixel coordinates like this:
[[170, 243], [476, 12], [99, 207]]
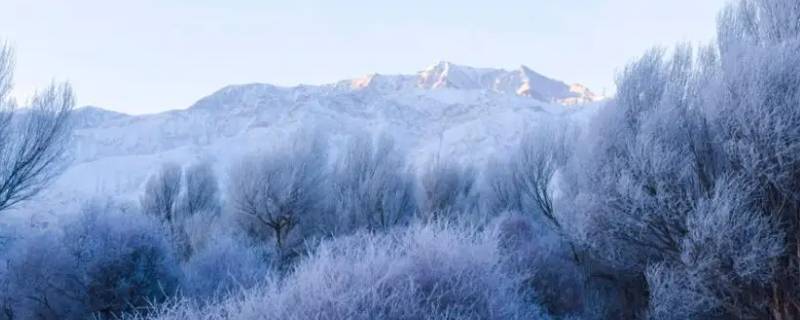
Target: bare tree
[[372, 187], [276, 192], [524, 183], [33, 140], [201, 192], [162, 193], [446, 188]]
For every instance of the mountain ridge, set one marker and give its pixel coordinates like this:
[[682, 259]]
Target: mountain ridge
[[443, 75]]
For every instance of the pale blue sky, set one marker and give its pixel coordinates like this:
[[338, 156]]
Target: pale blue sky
[[152, 55]]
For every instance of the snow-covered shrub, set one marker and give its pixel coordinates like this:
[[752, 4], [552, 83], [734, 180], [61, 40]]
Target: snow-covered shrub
[[425, 272], [102, 263], [222, 266], [545, 261], [36, 270]]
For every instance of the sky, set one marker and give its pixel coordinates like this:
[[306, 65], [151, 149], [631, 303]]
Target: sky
[[148, 56]]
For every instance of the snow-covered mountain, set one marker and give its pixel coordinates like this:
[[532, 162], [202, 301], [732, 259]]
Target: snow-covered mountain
[[448, 109], [521, 82]]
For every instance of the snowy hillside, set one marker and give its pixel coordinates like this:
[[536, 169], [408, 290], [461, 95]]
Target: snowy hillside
[[447, 109]]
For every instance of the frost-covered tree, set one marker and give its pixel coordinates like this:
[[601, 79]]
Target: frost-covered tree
[[100, 263], [162, 193], [759, 121], [162, 198], [646, 162], [760, 23], [727, 263], [657, 164], [201, 191], [524, 182], [641, 176], [372, 188], [33, 140], [187, 201], [275, 193], [447, 190]]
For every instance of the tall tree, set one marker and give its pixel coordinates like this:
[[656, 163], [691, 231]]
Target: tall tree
[[33, 140]]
